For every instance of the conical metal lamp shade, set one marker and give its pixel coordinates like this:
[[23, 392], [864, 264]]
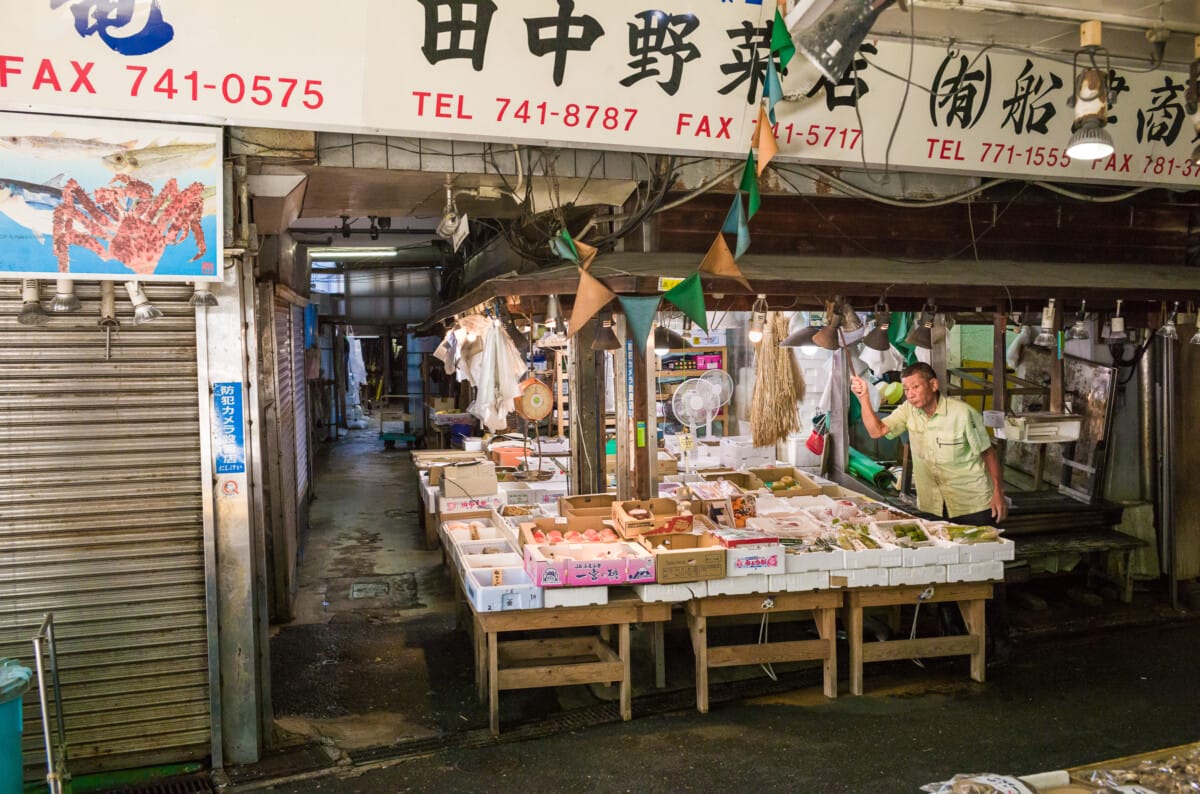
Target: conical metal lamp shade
[[922, 334], [666, 340], [1090, 142], [827, 337], [877, 338], [832, 40], [606, 338], [801, 338]]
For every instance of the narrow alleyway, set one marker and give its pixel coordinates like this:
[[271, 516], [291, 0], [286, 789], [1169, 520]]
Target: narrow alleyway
[[373, 687]]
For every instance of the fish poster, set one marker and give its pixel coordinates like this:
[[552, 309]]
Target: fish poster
[[98, 199]]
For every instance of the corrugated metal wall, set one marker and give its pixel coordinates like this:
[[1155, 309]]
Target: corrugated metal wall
[[101, 524], [285, 381], [300, 400]]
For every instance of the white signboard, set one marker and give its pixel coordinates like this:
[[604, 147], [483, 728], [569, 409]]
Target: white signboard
[[662, 76]]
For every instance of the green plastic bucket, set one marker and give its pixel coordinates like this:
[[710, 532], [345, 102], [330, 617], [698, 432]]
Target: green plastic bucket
[[14, 683]]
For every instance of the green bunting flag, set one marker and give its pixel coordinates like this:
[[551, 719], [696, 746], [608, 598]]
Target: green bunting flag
[[564, 246], [774, 90], [639, 317], [735, 223], [688, 295], [750, 185], [781, 40]]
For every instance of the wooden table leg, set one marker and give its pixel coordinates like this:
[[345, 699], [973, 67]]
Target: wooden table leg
[[479, 642], [626, 683], [826, 620], [697, 626], [854, 631], [973, 613], [493, 651], [660, 656], [1127, 577]]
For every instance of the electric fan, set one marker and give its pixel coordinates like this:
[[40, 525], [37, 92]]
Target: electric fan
[[719, 381], [694, 404]]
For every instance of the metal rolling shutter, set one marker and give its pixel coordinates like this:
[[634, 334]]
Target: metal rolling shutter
[[300, 399], [286, 410], [101, 523]]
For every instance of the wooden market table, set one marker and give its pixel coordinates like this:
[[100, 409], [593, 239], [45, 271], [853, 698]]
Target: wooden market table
[[557, 661], [971, 598], [823, 604]]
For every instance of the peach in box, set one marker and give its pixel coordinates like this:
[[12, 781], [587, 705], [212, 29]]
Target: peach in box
[[588, 564], [650, 516]]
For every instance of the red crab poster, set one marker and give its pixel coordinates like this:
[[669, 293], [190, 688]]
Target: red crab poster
[[91, 198]]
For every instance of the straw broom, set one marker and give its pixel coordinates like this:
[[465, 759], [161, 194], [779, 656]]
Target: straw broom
[[778, 387]]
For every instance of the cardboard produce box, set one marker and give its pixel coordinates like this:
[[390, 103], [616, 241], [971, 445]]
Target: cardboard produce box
[[588, 564], [592, 504], [469, 479], [801, 485], [539, 530], [664, 516], [667, 464], [686, 556]]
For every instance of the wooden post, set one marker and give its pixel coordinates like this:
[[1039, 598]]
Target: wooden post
[[839, 413], [1056, 366], [586, 416], [622, 375], [645, 429], [1000, 370]]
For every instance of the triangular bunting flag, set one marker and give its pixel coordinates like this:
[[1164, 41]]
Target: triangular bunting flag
[[639, 317], [719, 262], [750, 185], [591, 298], [773, 90], [735, 223], [765, 144], [586, 254], [688, 295], [781, 40], [563, 249]]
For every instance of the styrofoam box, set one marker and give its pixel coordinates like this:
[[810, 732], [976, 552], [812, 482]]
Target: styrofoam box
[[574, 596], [761, 559], [739, 452], [460, 504], [680, 591], [886, 557], [519, 493], [487, 532], [799, 582], [740, 585], [506, 559], [925, 574], [517, 592], [805, 561], [489, 548], [989, 571], [933, 554], [859, 577], [1003, 549]]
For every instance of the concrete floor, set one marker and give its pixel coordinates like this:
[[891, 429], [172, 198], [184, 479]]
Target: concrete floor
[[373, 687]]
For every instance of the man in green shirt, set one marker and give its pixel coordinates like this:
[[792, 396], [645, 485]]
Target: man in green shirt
[[956, 470]]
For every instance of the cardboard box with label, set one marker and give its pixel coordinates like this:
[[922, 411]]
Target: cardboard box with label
[[786, 481], [469, 479], [649, 516], [686, 556], [593, 504]]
